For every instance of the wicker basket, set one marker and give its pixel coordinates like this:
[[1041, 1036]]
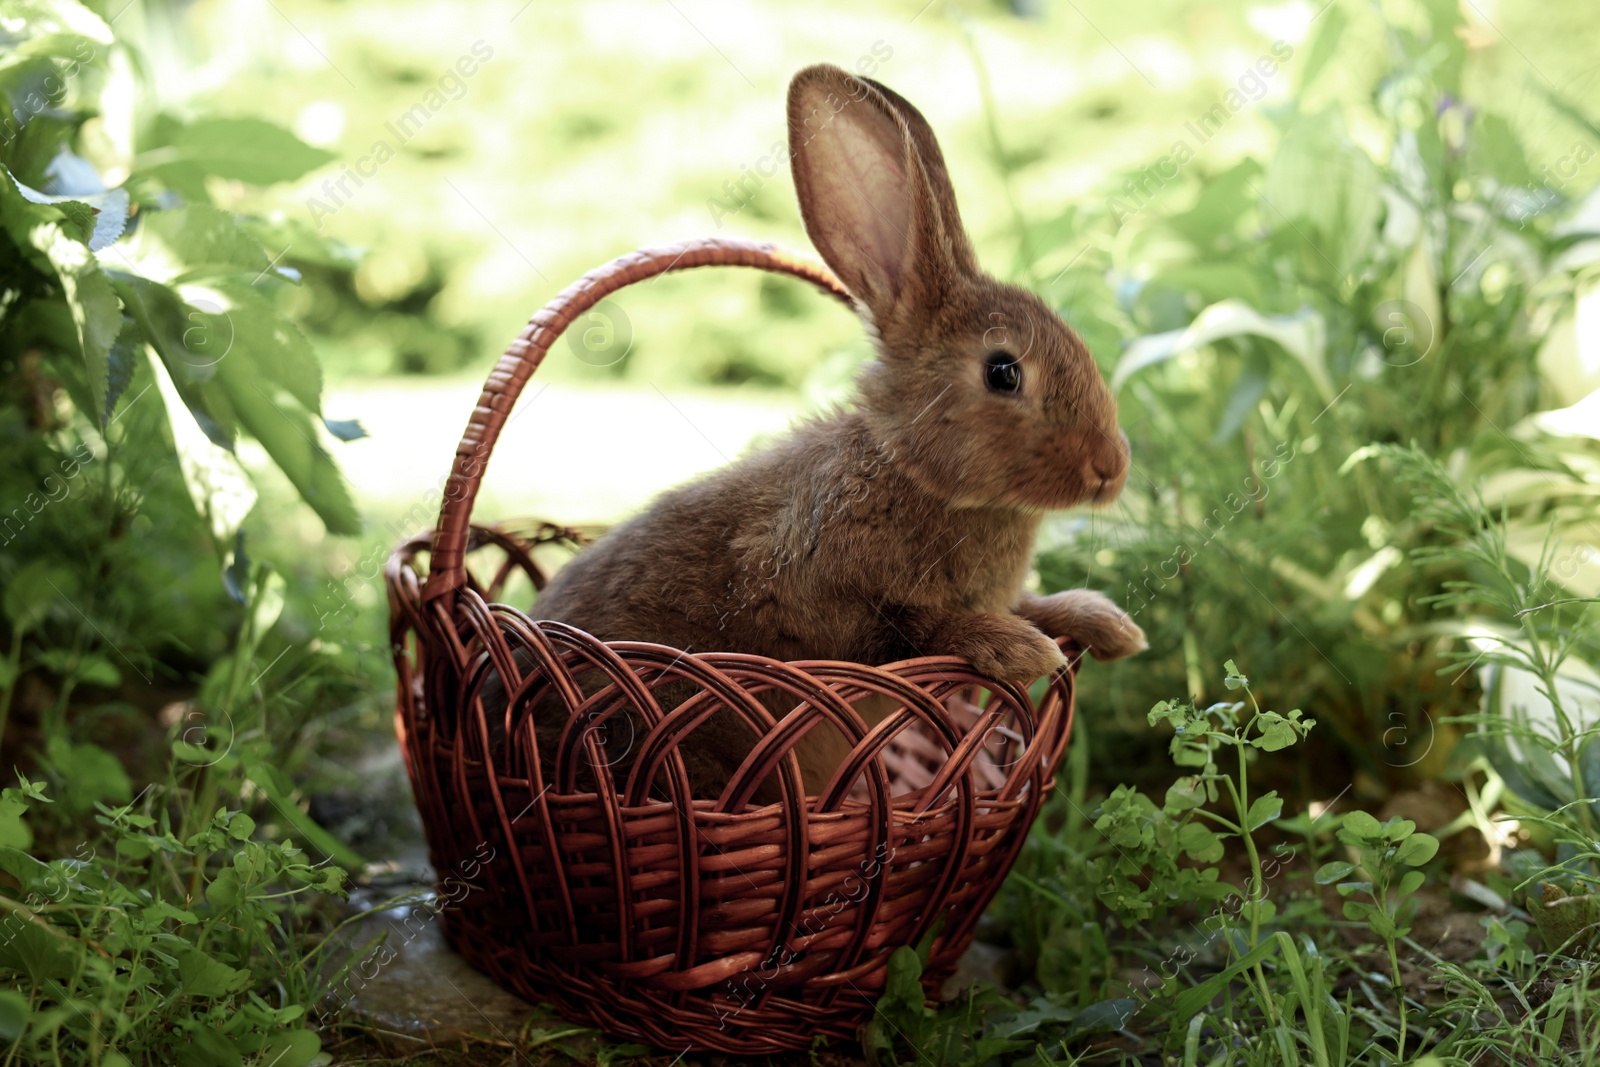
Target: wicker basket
[[691, 923]]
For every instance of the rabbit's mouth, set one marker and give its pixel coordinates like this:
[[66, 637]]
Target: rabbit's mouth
[[1107, 492], [1108, 474]]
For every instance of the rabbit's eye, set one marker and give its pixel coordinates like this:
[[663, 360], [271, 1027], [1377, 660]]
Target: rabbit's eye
[[1002, 372]]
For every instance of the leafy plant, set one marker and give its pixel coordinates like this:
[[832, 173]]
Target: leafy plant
[[116, 268], [981, 1027], [1516, 620], [1385, 851], [1264, 321], [155, 940]]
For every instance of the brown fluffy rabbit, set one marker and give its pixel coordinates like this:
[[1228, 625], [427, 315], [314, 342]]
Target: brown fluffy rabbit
[[904, 525]]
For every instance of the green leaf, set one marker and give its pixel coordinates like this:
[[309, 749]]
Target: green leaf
[[161, 912], [278, 787], [1248, 389], [1263, 810], [218, 485], [245, 149], [903, 981], [1324, 47], [1493, 745], [1303, 335], [289, 434], [1333, 871], [122, 363], [34, 589], [1418, 849], [96, 314], [1096, 1018], [1200, 843], [241, 826], [205, 241], [1194, 999], [1360, 827], [1397, 829], [190, 343], [1184, 794], [1321, 193], [1589, 764], [14, 833], [1218, 211], [39, 950], [279, 350], [1496, 151], [1173, 711], [1234, 679], [96, 218], [306, 244], [31, 874], [224, 891], [1357, 911], [87, 669], [207, 1047], [95, 773], [1277, 733], [13, 1015], [94, 670], [296, 1048], [1411, 881], [1258, 912], [206, 976]]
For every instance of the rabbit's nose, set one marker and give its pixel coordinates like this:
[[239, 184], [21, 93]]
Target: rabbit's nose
[[1107, 470], [1113, 466]]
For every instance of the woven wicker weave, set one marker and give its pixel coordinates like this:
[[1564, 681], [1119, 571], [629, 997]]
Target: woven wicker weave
[[690, 923]]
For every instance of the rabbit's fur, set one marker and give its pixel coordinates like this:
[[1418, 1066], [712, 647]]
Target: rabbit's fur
[[904, 525]]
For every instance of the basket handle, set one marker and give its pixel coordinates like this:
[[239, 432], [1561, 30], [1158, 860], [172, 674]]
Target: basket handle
[[447, 566]]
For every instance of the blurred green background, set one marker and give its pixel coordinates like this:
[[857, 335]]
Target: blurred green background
[[595, 128]]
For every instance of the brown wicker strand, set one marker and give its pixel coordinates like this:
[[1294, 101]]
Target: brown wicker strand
[[524, 355]]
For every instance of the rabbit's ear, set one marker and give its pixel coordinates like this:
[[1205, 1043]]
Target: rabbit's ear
[[952, 233], [873, 190]]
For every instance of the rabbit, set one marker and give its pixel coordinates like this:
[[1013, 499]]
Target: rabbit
[[902, 525]]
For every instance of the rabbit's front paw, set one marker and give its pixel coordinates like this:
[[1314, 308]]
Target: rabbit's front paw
[[1089, 618], [1007, 648]]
